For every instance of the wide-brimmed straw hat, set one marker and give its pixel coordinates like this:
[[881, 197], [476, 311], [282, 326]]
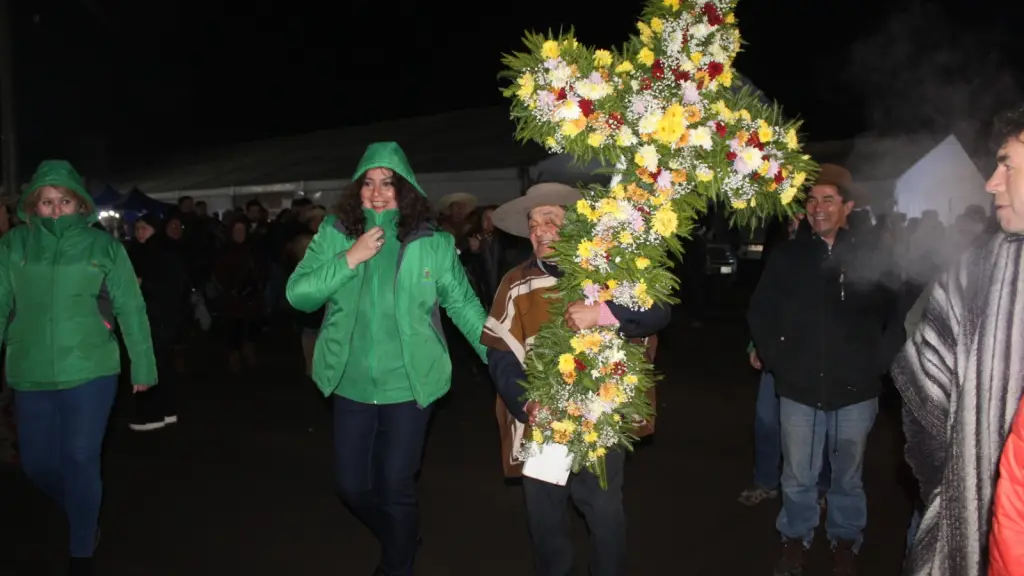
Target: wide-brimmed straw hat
[[513, 217], [445, 204]]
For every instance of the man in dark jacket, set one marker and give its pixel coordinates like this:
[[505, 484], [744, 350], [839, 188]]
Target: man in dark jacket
[[827, 327]]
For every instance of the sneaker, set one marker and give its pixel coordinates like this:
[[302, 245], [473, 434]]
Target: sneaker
[[844, 559], [755, 495], [147, 426], [793, 558]]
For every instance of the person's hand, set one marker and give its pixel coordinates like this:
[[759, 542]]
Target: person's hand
[[474, 244], [532, 407], [366, 247], [140, 388], [581, 316], [755, 361]]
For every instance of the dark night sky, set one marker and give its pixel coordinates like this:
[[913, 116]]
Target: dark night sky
[[162, 75]]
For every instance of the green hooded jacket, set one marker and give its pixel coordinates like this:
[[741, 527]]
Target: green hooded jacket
[[63, 286], [379, 299]]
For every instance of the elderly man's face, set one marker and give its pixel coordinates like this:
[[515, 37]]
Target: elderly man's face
[[1007, 185], [544, 224]]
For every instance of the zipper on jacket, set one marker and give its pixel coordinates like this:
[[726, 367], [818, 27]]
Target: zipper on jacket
[[394, 294], [373, 317]]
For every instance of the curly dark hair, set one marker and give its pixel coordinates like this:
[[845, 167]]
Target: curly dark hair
[[1008, 124], [414, 209]]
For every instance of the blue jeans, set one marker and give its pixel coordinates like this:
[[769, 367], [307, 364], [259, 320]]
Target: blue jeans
[[805, 433], [377, 454], [768, 442], [60, 437]]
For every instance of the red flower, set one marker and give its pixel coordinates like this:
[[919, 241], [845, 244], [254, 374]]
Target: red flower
[[615, 120], [753, 140], [580, 366], [681, 75], [586, 107], [645, 83], [722, 129], [779, 177], [658, 69], [618, 369], [730, 156], [561, 95], [714, 17], [756, 176], [643, 210], [715, 70]]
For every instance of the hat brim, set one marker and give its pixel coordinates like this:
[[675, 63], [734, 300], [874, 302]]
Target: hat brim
[[446, 202], [513, 217]]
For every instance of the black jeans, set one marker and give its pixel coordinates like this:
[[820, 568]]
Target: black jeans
[[377, 454], [547, 513], [159, 402]]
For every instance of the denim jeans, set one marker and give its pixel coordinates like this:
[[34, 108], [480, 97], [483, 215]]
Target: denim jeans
[[768, 441], [60, 437], [805, 432], [377, 453], [547, 512]]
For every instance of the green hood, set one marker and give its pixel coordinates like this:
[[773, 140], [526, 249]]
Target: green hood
[[387, 155], [57, 173]]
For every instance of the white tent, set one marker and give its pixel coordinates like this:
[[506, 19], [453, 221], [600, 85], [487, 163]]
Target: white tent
[[945, 180], [464, 151]]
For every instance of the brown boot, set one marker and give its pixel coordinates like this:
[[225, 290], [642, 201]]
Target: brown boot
[[844, 559], [793, 558]]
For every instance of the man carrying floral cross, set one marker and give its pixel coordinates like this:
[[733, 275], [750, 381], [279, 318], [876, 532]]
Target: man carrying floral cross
[[519, 310]]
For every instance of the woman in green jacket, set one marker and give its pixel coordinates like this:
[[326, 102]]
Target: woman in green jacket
[[63, 287], [383, 269]]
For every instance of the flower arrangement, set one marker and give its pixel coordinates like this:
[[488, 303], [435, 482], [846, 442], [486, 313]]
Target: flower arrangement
[[680, 131]]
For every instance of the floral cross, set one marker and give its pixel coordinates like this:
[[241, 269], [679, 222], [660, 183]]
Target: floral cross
[[668, 116]]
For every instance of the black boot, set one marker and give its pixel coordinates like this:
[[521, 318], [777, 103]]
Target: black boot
[[80, 567]]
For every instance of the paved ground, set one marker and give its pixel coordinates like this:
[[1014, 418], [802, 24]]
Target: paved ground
[[243, 484]]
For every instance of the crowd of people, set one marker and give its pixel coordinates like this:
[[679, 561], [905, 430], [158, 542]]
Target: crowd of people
[[843, 304]]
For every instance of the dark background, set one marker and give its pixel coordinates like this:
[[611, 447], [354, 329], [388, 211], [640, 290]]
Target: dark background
[[111, 83]]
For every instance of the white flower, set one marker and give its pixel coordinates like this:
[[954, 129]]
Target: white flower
[[560, 76], [567, 110], [700, 30], [647, 157], [625, 138], [593, 90], [701, 137], [748, 159], [649, 123]]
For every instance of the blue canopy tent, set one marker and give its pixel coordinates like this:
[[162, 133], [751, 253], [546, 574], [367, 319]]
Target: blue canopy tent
[[138, 202], [105, 197]]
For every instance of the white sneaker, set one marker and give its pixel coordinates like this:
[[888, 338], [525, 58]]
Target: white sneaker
[[147, 426]]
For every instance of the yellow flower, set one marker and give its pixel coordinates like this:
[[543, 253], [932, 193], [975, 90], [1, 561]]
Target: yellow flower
[[602, 58], [647, 156], [730, 18], [566, 363], [573, 127], [537, 436], [618, 191], [744, 115], [657, 25], [696, 57], [665, 221], [612, 284], [764, 132], [642, 263], [595, 139], [585, 249], [788, 194], [645, 33], [550, 49], [739, 204], [526, 86], [626, 238], [792, 142], [608, 392], [725, 78], [590, 437], [640, 290], [705, 174], [673, 4], [671, 126], [798, 179], [723, 110], [646, 57], [625, 66], [631, 380], [550, 142], [764, 167], [586, 210]]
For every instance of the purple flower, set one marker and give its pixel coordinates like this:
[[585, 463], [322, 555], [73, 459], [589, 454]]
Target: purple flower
[[665, 179], [639, 106], [591, 292], [690, 94]]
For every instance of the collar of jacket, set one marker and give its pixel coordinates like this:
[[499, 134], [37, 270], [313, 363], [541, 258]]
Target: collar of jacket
[[60, 226]]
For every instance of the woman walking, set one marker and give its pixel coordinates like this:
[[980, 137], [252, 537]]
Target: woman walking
[[64, 285], [383, 269]]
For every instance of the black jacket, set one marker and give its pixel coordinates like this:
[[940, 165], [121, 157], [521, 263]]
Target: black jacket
[[825, 322]]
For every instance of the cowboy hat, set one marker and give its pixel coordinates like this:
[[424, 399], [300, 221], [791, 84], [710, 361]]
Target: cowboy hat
[[840, 177], [513, 217], [446, 202]]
